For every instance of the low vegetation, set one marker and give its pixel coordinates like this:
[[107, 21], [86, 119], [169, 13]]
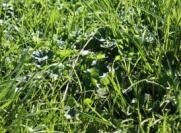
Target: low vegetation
[[90, 66]]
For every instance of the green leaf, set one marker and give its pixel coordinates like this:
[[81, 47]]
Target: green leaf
[[100, 56]]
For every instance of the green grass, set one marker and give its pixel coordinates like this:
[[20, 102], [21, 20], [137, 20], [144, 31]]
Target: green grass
[[90, 66]]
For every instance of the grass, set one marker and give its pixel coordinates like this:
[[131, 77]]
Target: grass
[[90, 66]]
